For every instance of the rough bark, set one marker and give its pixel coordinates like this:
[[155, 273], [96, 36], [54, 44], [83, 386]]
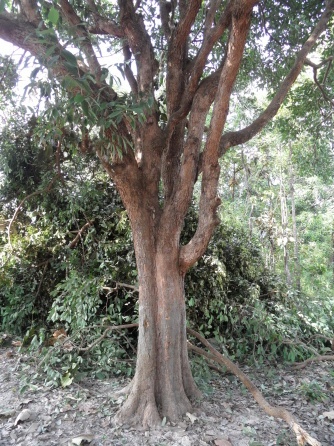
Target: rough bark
[[163, 385]]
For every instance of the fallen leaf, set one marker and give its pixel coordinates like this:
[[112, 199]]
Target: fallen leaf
[[16, 343], [329, 415], [222, 442], [24, 415], [164, 421], [191, 417], [82, 438]]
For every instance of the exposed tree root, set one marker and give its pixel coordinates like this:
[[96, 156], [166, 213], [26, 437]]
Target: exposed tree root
[[301, 365], [302, 436]]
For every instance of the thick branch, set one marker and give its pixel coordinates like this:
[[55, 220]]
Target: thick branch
[[30, 10], [140, 45], [231, 139], [209, 201], [103, 25], [74, 20], [165, 10], [182, 185], [211, 36], [177, 57], [128, 71]]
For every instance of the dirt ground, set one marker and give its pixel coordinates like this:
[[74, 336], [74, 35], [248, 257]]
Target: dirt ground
[[82, 414]]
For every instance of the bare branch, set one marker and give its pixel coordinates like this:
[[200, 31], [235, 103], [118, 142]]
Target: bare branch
[[182, 185], [127, 70], [315, 77], [103, 25], [165, 10], [231, 139], [211, 36], [140, 45], [177, 56]]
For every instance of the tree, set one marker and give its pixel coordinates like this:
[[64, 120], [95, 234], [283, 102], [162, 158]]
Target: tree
[[154, 142]]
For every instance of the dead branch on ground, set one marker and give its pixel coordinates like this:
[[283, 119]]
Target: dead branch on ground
[[301, 365], [278, 412], [213, 355]]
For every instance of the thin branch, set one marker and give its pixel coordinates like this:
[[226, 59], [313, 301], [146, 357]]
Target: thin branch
[[120, 285], [315, 68], [105, 333], [75, 241], [42, 279], [128, 71], [299, 342]]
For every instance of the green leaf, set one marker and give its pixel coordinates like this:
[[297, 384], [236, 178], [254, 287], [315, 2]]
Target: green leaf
[[85, 107], [53, 16], [34, 73], [78, 98], [71, 68], [66, 380], [71, 59]]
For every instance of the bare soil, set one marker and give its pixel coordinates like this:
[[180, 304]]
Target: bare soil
[[82, 414]]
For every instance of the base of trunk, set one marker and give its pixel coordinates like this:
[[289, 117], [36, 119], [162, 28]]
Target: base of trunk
[[142, 407]]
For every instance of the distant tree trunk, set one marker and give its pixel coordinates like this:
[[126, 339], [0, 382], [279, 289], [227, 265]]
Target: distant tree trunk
[[296, 258], [248, 191], [332, 256], [285, 235]]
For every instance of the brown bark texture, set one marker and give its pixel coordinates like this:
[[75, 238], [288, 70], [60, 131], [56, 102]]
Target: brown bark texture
[[156, 170]]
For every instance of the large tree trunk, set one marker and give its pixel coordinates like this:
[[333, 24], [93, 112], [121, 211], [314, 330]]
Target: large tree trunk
[[163, 385]]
